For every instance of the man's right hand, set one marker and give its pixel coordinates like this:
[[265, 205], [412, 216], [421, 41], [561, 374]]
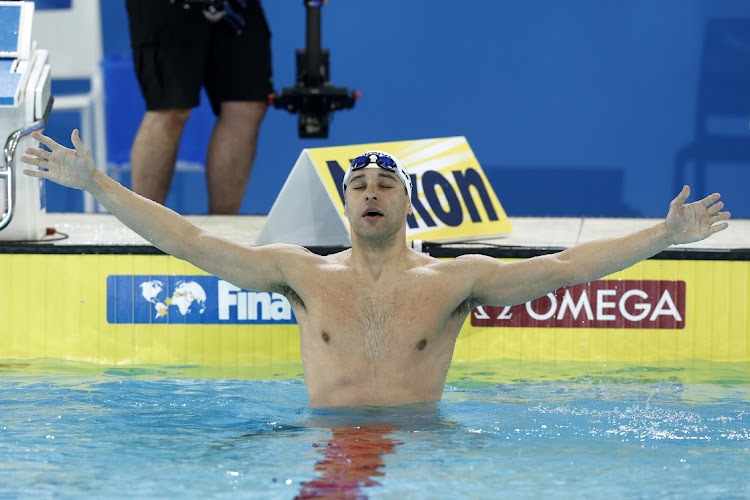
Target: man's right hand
[[67, 167]]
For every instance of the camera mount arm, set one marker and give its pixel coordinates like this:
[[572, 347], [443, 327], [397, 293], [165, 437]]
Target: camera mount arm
[[313, 96]]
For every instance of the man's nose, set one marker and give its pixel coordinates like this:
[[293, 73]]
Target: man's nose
[[370, 193]]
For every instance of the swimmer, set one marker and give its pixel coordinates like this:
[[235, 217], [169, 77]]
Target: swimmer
[[378, 322]]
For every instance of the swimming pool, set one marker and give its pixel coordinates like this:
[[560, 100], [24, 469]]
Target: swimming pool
[[502, 430]]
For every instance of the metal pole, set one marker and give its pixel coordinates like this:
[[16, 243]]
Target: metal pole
[[314, 74], [7, 171]]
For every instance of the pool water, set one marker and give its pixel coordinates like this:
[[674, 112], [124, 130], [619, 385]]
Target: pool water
[[571, 431]]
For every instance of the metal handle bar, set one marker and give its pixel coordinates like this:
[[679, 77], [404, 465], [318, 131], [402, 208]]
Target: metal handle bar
[[7, 169]]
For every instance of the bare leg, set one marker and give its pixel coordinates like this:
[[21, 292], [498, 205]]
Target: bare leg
[[231, 152], [154, 152]]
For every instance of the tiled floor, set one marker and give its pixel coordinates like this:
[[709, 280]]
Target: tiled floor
[[104, 229]]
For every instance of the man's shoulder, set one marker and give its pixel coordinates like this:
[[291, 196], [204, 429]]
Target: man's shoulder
[[312, 261], [288, 249], [426, 265], [292, 256], [462, 261], [473, 258], [461, 267]]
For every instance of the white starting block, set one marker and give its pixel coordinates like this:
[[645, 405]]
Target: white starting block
[[25, 104]]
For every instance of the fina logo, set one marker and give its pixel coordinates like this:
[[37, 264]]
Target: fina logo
[[245, 305], [186, 295], [191, 299]]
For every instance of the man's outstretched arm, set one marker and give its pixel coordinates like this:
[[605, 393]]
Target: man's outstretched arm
[[255, 268], [499, 283]]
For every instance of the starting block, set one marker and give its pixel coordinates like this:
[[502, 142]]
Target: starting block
[[25, 104]]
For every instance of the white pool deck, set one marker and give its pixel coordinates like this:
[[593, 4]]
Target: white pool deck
[[532, 232]]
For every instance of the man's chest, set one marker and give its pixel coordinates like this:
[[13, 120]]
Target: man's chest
[[404, 300], [379, 319]]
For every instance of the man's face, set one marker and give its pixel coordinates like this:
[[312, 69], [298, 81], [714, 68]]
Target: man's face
[[376, 203]]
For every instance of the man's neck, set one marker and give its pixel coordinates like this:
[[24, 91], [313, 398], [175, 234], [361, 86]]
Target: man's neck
[[373, 259]]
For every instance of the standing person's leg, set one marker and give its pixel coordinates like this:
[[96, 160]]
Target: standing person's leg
[[238, 83], [154, 152], [230, 155], [170, 52]]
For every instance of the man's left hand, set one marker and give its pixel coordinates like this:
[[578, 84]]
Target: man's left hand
[[695, 221]]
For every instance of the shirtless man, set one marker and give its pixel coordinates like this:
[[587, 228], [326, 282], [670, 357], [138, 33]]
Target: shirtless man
[[378, 322]]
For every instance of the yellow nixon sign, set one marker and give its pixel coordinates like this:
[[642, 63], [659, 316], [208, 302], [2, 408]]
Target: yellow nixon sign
[[452, 198]]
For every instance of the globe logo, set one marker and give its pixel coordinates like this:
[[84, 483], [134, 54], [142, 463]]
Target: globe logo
[[187, 296]]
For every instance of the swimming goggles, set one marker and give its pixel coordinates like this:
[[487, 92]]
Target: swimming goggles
[[382, 160]]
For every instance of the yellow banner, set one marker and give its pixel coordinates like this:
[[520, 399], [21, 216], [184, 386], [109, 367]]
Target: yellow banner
[[452, 198], [81, 308], [708, 319]]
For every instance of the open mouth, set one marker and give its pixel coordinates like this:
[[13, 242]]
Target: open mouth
[[372, 214]]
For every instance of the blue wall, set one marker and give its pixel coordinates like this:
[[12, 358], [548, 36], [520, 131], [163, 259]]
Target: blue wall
[[576, 107]]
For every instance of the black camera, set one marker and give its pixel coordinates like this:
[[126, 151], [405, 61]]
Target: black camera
[[313, 96]]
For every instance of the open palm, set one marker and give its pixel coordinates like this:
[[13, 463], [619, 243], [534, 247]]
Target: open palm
[[695, 221], [67, 167]]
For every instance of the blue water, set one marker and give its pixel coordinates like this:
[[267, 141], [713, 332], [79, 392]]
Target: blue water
[[72, 432]]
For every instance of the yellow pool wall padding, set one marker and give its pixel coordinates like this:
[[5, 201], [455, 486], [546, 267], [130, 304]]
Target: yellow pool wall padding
[[54, 306]]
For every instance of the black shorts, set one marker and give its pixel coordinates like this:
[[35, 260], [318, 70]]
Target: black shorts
[[176, 51]]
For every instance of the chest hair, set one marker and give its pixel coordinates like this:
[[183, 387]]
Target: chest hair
[[376, 330]]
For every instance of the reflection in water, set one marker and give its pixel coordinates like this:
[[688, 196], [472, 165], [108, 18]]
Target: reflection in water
[[351, 460]]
